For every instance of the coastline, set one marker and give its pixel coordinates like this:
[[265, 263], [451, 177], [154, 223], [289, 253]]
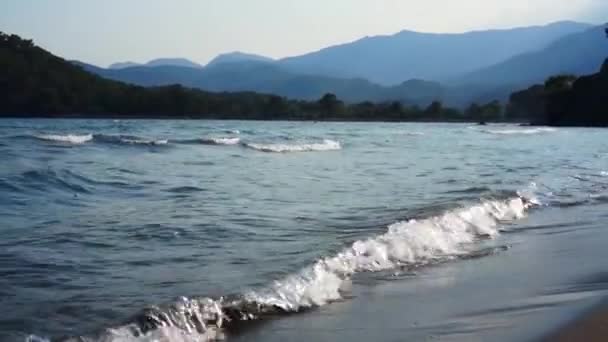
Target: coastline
[[211, 118], [591, 326]]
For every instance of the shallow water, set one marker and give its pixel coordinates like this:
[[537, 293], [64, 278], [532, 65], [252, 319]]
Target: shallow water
[[297, 231]]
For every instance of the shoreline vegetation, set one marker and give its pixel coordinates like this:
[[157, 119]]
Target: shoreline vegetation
[[35, 83]]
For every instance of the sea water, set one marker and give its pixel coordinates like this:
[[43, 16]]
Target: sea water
[[168, 230]]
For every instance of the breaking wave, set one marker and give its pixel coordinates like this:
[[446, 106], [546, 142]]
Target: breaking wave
[[68, 138], [410, 243], [100, 138], [326, 145], [520, 131], [411, 134], [221, 141], [128, 140]]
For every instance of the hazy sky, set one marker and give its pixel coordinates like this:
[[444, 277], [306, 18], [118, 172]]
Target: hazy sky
[[106, 31]]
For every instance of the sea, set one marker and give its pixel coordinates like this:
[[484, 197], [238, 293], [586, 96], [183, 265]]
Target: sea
[[189, 230]]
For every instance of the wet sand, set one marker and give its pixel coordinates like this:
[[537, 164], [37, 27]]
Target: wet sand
[[591, 327], [539, 289]]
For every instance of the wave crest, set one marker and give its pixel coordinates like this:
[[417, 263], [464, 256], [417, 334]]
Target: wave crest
[[68, 138], [128, 140], [326, 145], [408, 243], [520, 131], [413, 242], [221, 141]]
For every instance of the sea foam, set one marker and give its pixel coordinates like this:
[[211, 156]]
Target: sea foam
[[68, 138], [413, 242], [528, 131], [439, 238], [221, 141], [326, 145]]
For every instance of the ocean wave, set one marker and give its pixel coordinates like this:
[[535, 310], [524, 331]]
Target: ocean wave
[[100, 138], [604, 173], [221, 141], [520, 131], [50, 180], [68, 138], [128, 140], [326, 145], [405, 244], [411, 134]]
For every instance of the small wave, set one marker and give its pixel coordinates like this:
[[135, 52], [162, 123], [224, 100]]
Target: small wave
[[128, 140], [221, 141], [326, 145], [68, 138], [604, 173], [411, 134], [47, 179], [232, 131], [408, 243], [34, 338], [184, 189], [520, 131], [470, 190], [145, 142]]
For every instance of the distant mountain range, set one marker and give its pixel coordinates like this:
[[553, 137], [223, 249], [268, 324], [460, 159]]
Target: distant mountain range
[[182, 62], [236, 57], [580, 53], [392, 59], [476, 66]]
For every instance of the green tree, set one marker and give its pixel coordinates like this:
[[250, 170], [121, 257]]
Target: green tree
[[331, 105], [435, 109], [559, 83]]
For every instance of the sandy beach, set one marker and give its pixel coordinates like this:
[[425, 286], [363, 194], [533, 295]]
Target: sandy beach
[[591, 327]]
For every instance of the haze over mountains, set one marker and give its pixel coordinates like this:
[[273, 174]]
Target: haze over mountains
[[182, 62], [408, 66]]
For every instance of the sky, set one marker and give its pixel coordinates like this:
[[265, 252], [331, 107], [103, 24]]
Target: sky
[[102, 32]]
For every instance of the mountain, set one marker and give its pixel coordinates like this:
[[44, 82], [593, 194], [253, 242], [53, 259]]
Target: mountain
[[565, 100], [234, 57], [246, 72], [267, 77], [122, 65], [149, 76], [578, 54], [35, 83], [413, 55], [181, 62]]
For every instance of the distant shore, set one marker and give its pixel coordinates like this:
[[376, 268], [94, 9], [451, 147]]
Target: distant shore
[[194, 117]]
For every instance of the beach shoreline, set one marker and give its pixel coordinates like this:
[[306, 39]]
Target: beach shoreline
[[590, 326]]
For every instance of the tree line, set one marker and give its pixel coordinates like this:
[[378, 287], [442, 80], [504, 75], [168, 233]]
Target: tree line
[[33, 82]]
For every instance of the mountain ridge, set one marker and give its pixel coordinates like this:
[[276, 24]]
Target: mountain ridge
[[178, 61]]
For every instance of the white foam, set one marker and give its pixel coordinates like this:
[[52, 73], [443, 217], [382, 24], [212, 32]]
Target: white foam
[[222, 141], [326, 145], [69, 138], [405, 243], [412, 134], [604, 173], [144, 141], [413, 242], [520, 131], [164, 334]]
